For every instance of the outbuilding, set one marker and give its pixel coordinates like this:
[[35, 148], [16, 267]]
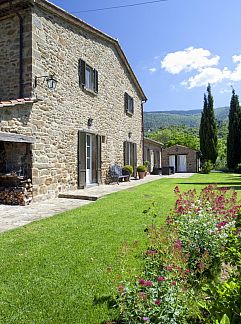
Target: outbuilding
[[182, 158], [152, 153]]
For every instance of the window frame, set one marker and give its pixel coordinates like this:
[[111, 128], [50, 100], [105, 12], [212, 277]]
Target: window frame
[[129, 104], [88, 77]]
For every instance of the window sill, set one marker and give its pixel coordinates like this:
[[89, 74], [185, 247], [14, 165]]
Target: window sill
[[87, 90], [129, 114]]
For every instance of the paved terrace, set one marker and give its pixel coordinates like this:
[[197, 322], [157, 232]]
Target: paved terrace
[[15, 216]]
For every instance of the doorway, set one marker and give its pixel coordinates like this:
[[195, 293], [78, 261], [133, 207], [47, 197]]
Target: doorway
[[179, 162], [89, 159]]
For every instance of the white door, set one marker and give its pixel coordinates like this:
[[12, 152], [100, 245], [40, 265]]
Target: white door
[[172, 160], [181, 163], [88, 159]]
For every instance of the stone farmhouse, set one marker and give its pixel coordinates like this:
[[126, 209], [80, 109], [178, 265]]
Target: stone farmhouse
[[70, 104]]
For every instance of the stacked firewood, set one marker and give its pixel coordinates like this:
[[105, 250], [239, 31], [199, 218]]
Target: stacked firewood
[[22, 194]]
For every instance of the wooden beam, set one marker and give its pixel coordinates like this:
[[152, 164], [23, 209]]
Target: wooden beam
[[17, 138]]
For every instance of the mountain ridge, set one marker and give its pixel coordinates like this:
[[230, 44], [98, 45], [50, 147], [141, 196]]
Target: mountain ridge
[[154, 120]]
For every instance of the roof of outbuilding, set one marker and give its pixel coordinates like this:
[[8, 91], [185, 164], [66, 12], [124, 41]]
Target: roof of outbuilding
[[148, 140], [180, 146]]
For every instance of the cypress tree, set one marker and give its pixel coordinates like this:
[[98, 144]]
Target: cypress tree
[[233, 139], [208, 129]]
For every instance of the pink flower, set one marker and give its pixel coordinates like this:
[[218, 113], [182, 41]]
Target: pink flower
[[157, 302], [142, 295], [169, 268], [148, 283], [145, 319], [142, 282], [187, 270], [160, 278], [174, 283], [178, 244]]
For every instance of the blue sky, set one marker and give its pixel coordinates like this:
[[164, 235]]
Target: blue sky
[[175, 47]]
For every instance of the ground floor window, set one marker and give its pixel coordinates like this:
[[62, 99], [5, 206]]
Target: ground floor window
[[130, 155]]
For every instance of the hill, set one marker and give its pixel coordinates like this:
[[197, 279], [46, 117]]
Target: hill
[[191, 118]]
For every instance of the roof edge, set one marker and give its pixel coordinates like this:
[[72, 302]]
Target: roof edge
[[77, 21]]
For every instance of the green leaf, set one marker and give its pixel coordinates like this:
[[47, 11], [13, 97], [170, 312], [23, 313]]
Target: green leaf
[[225, 320]]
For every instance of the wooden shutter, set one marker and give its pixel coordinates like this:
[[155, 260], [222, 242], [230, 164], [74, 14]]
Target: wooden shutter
[[132, 101], [82, 67], [81, 159], [98, 141], [96, 80], [135, 159], [126, 102], [126, 153]]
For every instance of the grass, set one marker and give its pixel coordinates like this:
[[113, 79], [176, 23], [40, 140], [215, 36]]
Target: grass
[[65, 269]]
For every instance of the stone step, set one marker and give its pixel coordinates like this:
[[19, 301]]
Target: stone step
[[78, 196]]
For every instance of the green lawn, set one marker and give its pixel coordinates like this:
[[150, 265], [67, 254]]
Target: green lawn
[[64, 269]]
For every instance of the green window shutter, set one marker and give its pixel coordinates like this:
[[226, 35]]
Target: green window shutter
[[81, 159], [82, 67], [96, 80]]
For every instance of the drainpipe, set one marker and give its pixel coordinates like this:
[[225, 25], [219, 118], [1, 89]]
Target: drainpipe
[[142, 121], [20, 48]]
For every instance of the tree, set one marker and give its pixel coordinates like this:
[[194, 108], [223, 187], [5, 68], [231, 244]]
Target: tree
[[233, 139], [208, 130]]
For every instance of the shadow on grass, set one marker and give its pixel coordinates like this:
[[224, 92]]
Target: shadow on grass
[[111, 303], [229, 185]]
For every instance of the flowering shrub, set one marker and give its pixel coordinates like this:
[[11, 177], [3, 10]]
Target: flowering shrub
[[204, 222], [188, 247]]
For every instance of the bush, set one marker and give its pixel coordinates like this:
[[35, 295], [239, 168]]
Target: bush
[[183, 258], [206, 167], [146, 164], [141, 168], [128, 168]]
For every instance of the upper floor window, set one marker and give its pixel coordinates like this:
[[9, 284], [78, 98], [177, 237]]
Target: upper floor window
[[88, 77], [129, 104]]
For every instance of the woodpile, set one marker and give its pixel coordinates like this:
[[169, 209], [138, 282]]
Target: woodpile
[[15, 190]]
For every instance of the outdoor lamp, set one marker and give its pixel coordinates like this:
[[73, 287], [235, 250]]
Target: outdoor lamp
[[50, 79]]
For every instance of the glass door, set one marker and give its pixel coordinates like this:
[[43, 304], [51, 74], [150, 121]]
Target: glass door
[[88, 159]]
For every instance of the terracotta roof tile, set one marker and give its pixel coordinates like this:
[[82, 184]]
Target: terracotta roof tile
[[22, 101]]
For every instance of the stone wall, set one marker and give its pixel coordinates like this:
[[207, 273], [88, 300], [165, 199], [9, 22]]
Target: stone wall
[[191, 156], [55, 120], [10, 56]]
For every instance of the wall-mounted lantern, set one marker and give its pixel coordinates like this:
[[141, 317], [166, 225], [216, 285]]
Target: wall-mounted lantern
[[129, 134], [90, 122], [50, 79]]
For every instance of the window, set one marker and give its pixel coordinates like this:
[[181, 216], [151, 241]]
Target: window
[[88, 77], [129, 104]]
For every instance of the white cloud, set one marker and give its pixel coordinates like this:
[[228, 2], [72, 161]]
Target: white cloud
[[207, 75], [236, 74], [204, 63], [152, 70], [189, 59]]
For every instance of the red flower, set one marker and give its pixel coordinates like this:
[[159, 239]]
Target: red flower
[[174, 283], [160, 278], [157, 302], [148, 283], [142, 282]]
